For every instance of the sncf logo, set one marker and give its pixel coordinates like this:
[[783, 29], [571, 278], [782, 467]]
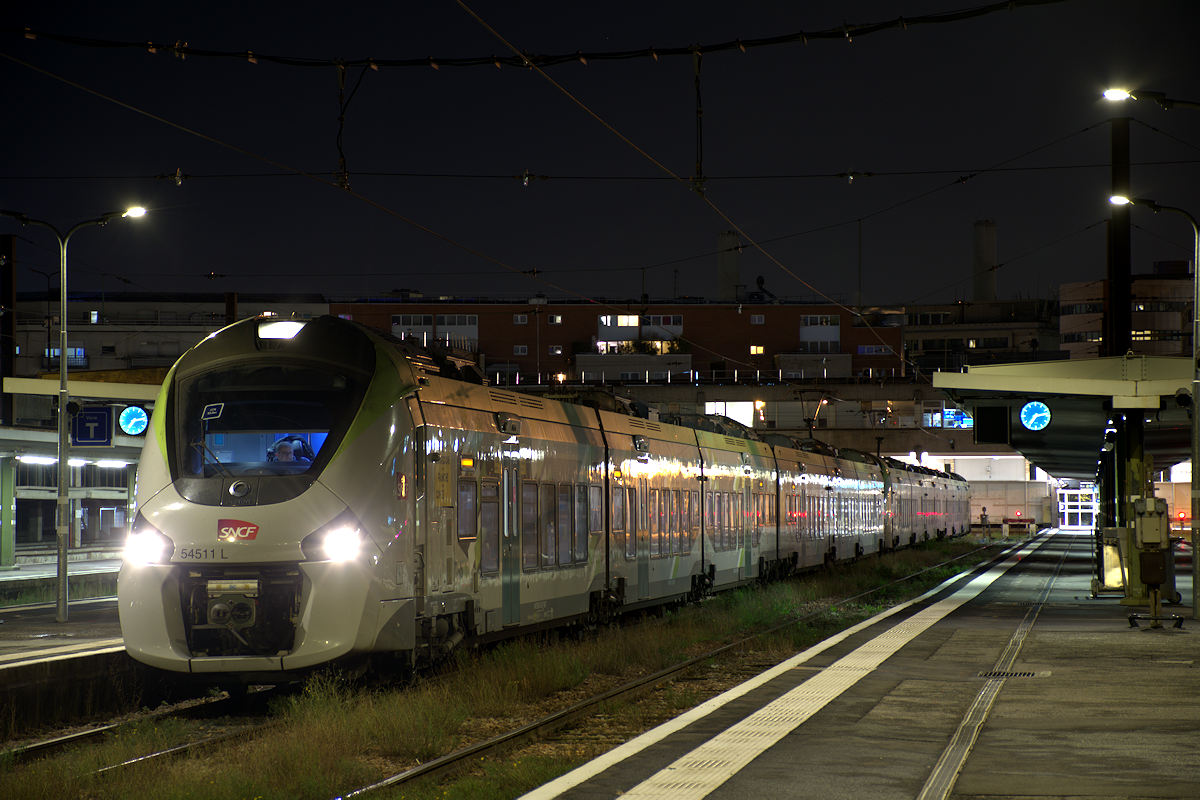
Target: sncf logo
[[236, 530]]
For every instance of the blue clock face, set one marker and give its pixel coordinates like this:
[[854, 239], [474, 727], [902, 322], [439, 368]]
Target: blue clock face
[[1035, 415], [133, 420]]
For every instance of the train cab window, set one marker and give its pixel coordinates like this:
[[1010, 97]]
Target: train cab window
[[631, 522], [234, 420], [489, 526], [529, 526], [547, 521], [563, 522], [468, 494]]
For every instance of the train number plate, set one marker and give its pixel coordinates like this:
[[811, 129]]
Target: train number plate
[[201, 554]]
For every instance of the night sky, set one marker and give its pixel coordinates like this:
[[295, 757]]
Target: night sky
[[1010, 101]]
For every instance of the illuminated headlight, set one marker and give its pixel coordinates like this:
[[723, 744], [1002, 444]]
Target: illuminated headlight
[[342, 544], [147, 545], [340, 541]]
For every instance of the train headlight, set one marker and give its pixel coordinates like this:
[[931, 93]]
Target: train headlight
[[342, 544], [340, 541], [147, 545]]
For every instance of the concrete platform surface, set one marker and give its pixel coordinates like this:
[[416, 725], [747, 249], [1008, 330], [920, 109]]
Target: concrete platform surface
[[1016, 683]]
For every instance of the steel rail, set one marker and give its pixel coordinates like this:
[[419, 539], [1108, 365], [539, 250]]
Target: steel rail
[[552, 722]]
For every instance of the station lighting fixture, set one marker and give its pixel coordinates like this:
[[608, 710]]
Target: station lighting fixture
[[1120, 95], [1122, 200], [63, 504]]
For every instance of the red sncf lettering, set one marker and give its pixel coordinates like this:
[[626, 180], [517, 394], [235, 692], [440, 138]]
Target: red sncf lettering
[[236, 530]]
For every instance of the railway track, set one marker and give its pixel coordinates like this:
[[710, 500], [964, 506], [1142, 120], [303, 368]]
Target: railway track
[[228, 714], [551, 723]]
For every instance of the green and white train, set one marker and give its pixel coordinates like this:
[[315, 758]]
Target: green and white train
[[422, 509]]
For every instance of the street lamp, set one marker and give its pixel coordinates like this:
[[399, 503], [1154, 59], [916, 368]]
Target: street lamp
[[1121, 200], [63, 507], [1117, 95]]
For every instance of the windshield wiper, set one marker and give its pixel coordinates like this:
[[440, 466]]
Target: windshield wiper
[[204, 448]]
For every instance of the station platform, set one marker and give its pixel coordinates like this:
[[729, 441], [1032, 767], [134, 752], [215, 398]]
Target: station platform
[[1013, 682], [91, 572]]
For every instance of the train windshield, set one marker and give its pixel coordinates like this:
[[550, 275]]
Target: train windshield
[[262, 419]]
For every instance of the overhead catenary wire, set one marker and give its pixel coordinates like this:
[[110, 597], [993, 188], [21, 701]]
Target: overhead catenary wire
[[845, 32], [532, 274]]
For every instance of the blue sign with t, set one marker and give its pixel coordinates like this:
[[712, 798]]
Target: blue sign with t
[[92, 427]]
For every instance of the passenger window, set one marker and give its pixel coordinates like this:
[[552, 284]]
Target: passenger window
[[564, 524], [588, 506], [467, 495], [547, 522], [653, 513], [631, 504], [595, 509], [489, 525], [529, 526]]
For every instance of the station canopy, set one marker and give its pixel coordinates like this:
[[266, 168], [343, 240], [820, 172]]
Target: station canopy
[[1085, 397]]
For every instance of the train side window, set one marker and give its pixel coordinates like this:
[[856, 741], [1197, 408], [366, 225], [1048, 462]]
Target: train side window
[[595, 509], [694, 529], [594, 519], [565, 518], [676, 528], [721, 529], [653, 512], [468, 494], [631, 504], [618, 519], [666, 520], [489, 526], [739, 521], [546, 520], [685, 522], [529, 526]]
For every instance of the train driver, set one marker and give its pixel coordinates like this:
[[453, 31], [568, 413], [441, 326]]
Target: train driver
[[285, 452]]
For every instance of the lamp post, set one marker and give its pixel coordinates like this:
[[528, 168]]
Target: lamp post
[[1157, 207], [63, 504]]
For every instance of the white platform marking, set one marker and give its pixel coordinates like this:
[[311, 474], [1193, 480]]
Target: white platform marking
[[699, 772]]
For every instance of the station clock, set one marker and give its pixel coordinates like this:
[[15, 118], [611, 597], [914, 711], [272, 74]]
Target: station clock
[[133, 420], [1035, 415]]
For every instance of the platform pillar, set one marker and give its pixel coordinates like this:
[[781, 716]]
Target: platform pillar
[[8, 511]]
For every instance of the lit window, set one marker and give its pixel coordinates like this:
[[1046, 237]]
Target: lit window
[[971, 343], [554, 319], [627, 320], [94, 317], [756, 349], [556, 349]]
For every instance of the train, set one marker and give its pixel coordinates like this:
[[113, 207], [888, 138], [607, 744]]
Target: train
[[417, 509]]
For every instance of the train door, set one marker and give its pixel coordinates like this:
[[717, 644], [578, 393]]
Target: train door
[[510, 547], [643, 541]]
